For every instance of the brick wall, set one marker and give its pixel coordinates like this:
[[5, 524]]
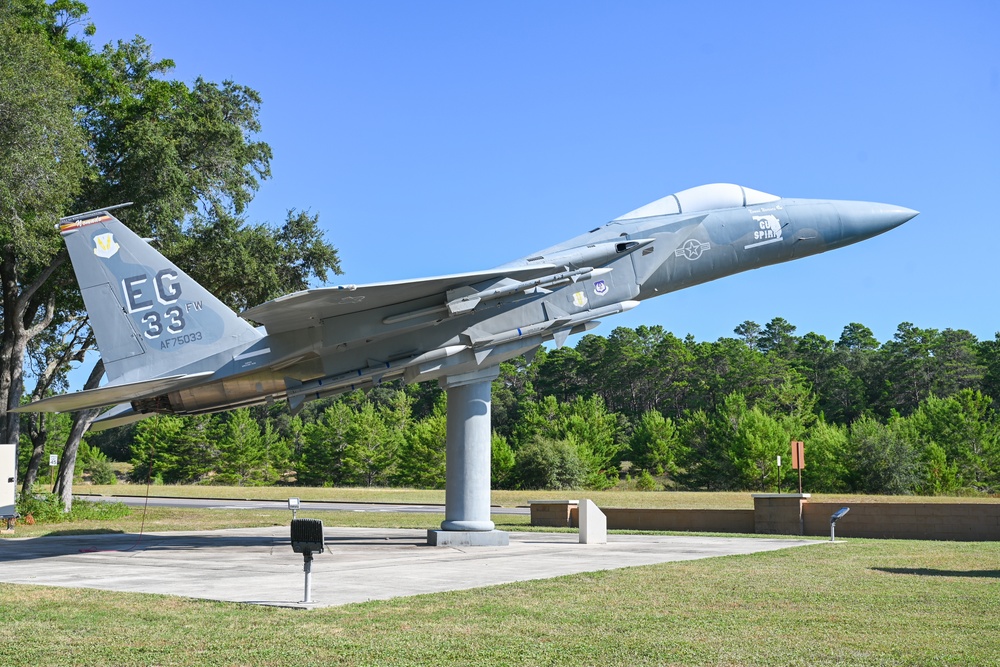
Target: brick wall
[[796, 515], [713, 521], [907, 521]]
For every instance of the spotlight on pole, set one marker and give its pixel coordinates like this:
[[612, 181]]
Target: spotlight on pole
[[837, 515]]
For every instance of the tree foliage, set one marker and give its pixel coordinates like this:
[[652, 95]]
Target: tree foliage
[[83, 127]]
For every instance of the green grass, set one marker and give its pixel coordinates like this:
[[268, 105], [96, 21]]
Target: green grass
[[659, 499], [862, 602]]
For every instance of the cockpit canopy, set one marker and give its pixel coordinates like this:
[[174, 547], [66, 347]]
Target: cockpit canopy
[[701, 198]]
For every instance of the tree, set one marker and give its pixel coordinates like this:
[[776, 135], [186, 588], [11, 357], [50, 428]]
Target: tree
[[247, 454], [757, 442], [654, 444], [778, 337], [49, 354], [502, 462], [749, 332], [703, 460], [825, 453], [173, 450], [422, 452], [957, 366], [559, 373], [881, 461], [988, 352], [371, 448], [321, 462], [673, 374], [907, 362], [584, 423], [544, 463], [187, 155], [512, 389], [41, 164], [966, 430]]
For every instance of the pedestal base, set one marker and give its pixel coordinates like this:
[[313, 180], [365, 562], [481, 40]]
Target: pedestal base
[[467, 538]]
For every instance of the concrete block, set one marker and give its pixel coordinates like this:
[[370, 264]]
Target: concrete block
[[552, 512], [593, 524]]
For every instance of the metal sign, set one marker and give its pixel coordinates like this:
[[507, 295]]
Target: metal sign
[[798, 455], [53, 460]]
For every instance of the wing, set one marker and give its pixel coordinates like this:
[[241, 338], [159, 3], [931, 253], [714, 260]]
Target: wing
[[307, 308], [111, 394]]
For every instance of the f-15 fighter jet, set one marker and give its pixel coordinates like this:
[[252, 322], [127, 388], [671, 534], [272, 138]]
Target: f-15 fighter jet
[[169, 346]]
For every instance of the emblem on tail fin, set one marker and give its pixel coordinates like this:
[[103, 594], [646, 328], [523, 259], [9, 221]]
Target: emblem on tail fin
[[105, 245]]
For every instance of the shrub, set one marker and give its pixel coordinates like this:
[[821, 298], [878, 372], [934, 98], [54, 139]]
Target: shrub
[[646, 482], [48, 508], [543, 463], [101, 472]]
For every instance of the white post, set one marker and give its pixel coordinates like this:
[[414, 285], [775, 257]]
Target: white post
[[307, 568]]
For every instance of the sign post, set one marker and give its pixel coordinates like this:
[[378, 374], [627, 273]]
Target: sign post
[[53, 464], [798, 459]]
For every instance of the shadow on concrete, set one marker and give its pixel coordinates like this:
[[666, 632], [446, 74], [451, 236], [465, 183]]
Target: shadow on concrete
[[928, 572], [72, 542]]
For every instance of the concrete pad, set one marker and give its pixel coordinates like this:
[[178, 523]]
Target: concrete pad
[[257, 565]]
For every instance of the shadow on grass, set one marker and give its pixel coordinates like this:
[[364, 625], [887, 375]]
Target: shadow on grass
[[928, 572]]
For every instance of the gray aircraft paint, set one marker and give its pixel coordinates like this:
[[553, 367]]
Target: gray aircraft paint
[[172, 347]]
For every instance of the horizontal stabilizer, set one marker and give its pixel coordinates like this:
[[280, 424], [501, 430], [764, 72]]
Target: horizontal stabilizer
[[111, 394]]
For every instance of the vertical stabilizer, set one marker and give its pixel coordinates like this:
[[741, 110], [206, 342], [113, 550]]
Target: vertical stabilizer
[[149, 317]]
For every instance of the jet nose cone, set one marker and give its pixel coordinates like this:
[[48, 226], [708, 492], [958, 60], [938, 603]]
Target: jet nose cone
[[888, 216], [863, 220]]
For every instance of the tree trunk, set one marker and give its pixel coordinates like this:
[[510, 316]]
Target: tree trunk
[[9, 398], [39, 434], [75, 344], [21, 306], [82, 420]]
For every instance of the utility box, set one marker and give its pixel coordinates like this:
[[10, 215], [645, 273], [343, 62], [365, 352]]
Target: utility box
[[8, 481]]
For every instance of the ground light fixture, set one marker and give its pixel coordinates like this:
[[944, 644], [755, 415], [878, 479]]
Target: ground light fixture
[[837, 515], [307, 539]]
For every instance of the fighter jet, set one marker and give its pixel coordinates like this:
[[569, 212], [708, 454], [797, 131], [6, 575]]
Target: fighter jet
[[169, 346]]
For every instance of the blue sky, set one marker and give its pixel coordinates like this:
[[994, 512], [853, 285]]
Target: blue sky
[[439, 137]]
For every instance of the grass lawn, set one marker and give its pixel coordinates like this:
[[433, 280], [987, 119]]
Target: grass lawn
[[861, 602], [659, 499]]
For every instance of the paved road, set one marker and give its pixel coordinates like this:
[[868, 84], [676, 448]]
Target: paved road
[[226, 504]]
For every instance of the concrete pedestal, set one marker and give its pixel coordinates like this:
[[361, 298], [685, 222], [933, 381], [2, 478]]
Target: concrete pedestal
[[468, 451], [467, 538], [593, 524]]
